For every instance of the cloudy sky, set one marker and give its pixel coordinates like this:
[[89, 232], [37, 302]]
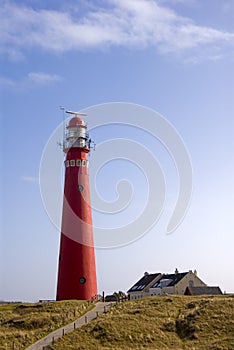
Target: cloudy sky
[[173, 56]]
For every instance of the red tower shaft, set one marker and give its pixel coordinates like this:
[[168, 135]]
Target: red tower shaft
[[77, 270]]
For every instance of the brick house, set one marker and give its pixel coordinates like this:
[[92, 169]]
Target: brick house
[[161, 283], [176, 283], [141, 288]]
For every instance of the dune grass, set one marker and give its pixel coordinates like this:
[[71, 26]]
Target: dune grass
[[22, 324], [159, 323]]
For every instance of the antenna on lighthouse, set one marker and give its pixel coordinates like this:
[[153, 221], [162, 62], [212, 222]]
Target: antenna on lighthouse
[[76, 113], [61, 144]]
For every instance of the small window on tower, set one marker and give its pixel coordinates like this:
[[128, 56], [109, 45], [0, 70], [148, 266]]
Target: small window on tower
[[67, 163], [83, 162], [82, 280], [80, 188], [78, 162], [72, 162]]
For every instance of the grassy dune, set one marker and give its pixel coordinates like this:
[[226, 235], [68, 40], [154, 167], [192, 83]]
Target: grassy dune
[[24, 324], [159, 323]]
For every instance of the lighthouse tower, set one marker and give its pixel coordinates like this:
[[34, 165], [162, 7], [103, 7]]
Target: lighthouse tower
[[77, 271]]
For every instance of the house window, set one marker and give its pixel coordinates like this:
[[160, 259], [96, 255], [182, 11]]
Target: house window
[[165, 282], [83, 162], [191, 283], [67, 163], [78, 162], [72, 162]]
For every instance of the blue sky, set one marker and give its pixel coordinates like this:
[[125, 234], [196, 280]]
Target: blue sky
[[174, 56]]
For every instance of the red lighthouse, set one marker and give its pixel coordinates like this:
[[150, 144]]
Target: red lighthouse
[[77, 271]]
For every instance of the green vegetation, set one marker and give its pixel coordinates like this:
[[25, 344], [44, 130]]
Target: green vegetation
[[24, 324], [159, 323]]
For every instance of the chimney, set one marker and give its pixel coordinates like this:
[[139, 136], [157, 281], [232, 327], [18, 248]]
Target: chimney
[[195, 272], [146, 273], [176, 271]]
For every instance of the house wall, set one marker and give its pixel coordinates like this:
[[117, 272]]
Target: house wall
[[160, 291], [180, 287], [138, 295]]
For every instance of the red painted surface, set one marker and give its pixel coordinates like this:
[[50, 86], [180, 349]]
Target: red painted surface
[[76, 259], [76, 121]]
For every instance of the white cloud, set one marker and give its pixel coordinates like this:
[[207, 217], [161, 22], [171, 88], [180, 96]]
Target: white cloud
[[7, 82], [175, 2], [33, 79], [138, 23], [43, 78], [31, 179]]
